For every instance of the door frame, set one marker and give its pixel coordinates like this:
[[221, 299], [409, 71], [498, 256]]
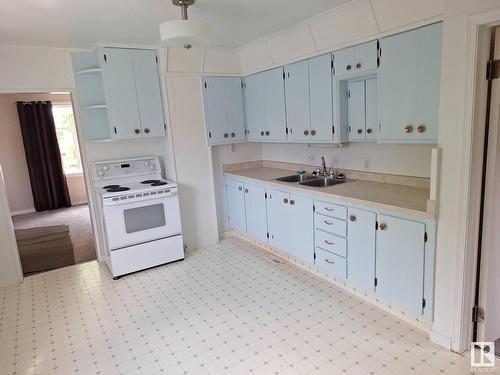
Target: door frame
[[86, 166], [477, 53]]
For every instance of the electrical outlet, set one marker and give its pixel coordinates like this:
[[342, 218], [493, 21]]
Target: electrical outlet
[[311, 158], [366, 164]]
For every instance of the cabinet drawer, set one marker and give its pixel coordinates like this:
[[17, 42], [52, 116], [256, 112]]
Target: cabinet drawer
[[332, 243], [330, 225], [330, 263], [330, 209]]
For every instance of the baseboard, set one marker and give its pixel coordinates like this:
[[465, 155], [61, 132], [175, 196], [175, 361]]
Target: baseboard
[[440, 339], [400, 313], [78, 203], [12, 281], [21, 212]]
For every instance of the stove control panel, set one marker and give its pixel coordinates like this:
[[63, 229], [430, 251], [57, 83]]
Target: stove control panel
[[125, 168]]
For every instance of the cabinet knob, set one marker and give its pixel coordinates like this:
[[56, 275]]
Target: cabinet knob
[[359, 131], [306, 132], [146, 130], [382, 226], [137, 131], [285, 200], [262, 132], [369, 131], [246, 190], [233, 135], [226, 135], [358, 66], [352, 218], [268, 132], [240, 188], [313, 132], [421, 128], [348, 67], [292, 202], [408, 129]]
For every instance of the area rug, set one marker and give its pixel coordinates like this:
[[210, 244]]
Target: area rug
[[44, 248]]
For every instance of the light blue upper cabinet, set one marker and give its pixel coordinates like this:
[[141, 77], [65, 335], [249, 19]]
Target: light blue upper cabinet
[[234, 105], [149, 97], [121, 93], [321, 98], [297, 101], [255, 210], [274, 102], [400, 262], [371, 125], [223, 105], [133, 93], [408, 85], [356, 110], [301, 227], [235, 203], [361, 248], [356, 60], [255, 115]]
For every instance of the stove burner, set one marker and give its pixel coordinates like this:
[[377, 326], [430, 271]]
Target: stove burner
[[150, 181], [117, 189], [159, 183], [111, 186]]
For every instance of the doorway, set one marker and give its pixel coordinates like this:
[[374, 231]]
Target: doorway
[[44, 181]]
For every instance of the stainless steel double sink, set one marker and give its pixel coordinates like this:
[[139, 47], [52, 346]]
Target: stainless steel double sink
[[311, 180]]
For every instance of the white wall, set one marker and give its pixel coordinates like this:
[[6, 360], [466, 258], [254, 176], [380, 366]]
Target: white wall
[[407, 160]]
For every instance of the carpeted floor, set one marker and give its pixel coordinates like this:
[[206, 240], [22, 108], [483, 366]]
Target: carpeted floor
[[78, 220]]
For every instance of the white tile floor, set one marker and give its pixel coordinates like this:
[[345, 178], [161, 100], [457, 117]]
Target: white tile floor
[[224, 310]]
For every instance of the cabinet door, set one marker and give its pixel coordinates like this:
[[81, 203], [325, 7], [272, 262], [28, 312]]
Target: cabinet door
[[400, 262], [397, 85], [320, 91], [297, 101], [278, 219], [344, 61], [371, 109], [365, 56], [255, 209], [234, 109], [149, 98], [255, 116], [301, 229], [215, 109], [119, 82], [236, 205], [356, 110], [274, 93], [361, 248], [428, 82]]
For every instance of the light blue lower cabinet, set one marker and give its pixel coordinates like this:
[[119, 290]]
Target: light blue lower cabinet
[[235, 203], [400, 262], [278, 219], [361, 238], [255, 211], [301, 228]]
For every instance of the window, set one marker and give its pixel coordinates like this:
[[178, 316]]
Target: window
[[67, 138]]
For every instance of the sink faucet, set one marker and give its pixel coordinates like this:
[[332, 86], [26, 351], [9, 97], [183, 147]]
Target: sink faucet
[[324, 172]]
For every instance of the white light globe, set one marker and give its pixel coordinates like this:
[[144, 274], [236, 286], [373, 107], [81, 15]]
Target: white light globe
[[186, 33]]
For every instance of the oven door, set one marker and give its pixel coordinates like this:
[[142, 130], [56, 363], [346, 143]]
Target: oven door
[[137, 221]]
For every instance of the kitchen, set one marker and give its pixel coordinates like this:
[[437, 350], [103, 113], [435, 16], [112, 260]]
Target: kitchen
[[196, 154]]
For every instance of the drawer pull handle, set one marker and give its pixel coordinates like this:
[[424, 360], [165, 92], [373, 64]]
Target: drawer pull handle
[[328, 209], [328, 242], [327, 222], [329, 261]]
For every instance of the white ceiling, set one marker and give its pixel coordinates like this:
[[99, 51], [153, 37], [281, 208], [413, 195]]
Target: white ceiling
[[82, 23]]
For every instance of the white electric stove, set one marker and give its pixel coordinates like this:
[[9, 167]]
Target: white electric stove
[[139, 215]]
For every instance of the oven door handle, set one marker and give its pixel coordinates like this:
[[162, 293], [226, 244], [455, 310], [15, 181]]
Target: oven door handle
[[111, 202]]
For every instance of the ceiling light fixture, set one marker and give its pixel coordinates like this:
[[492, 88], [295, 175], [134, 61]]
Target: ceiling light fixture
[[185, 33]]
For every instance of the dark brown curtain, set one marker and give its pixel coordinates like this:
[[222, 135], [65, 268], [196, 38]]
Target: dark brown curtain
[[48, 181]]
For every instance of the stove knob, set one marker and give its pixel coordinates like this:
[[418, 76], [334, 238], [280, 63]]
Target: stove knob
[[152, 167], [100, 172], [146, 163], [105, 167]]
